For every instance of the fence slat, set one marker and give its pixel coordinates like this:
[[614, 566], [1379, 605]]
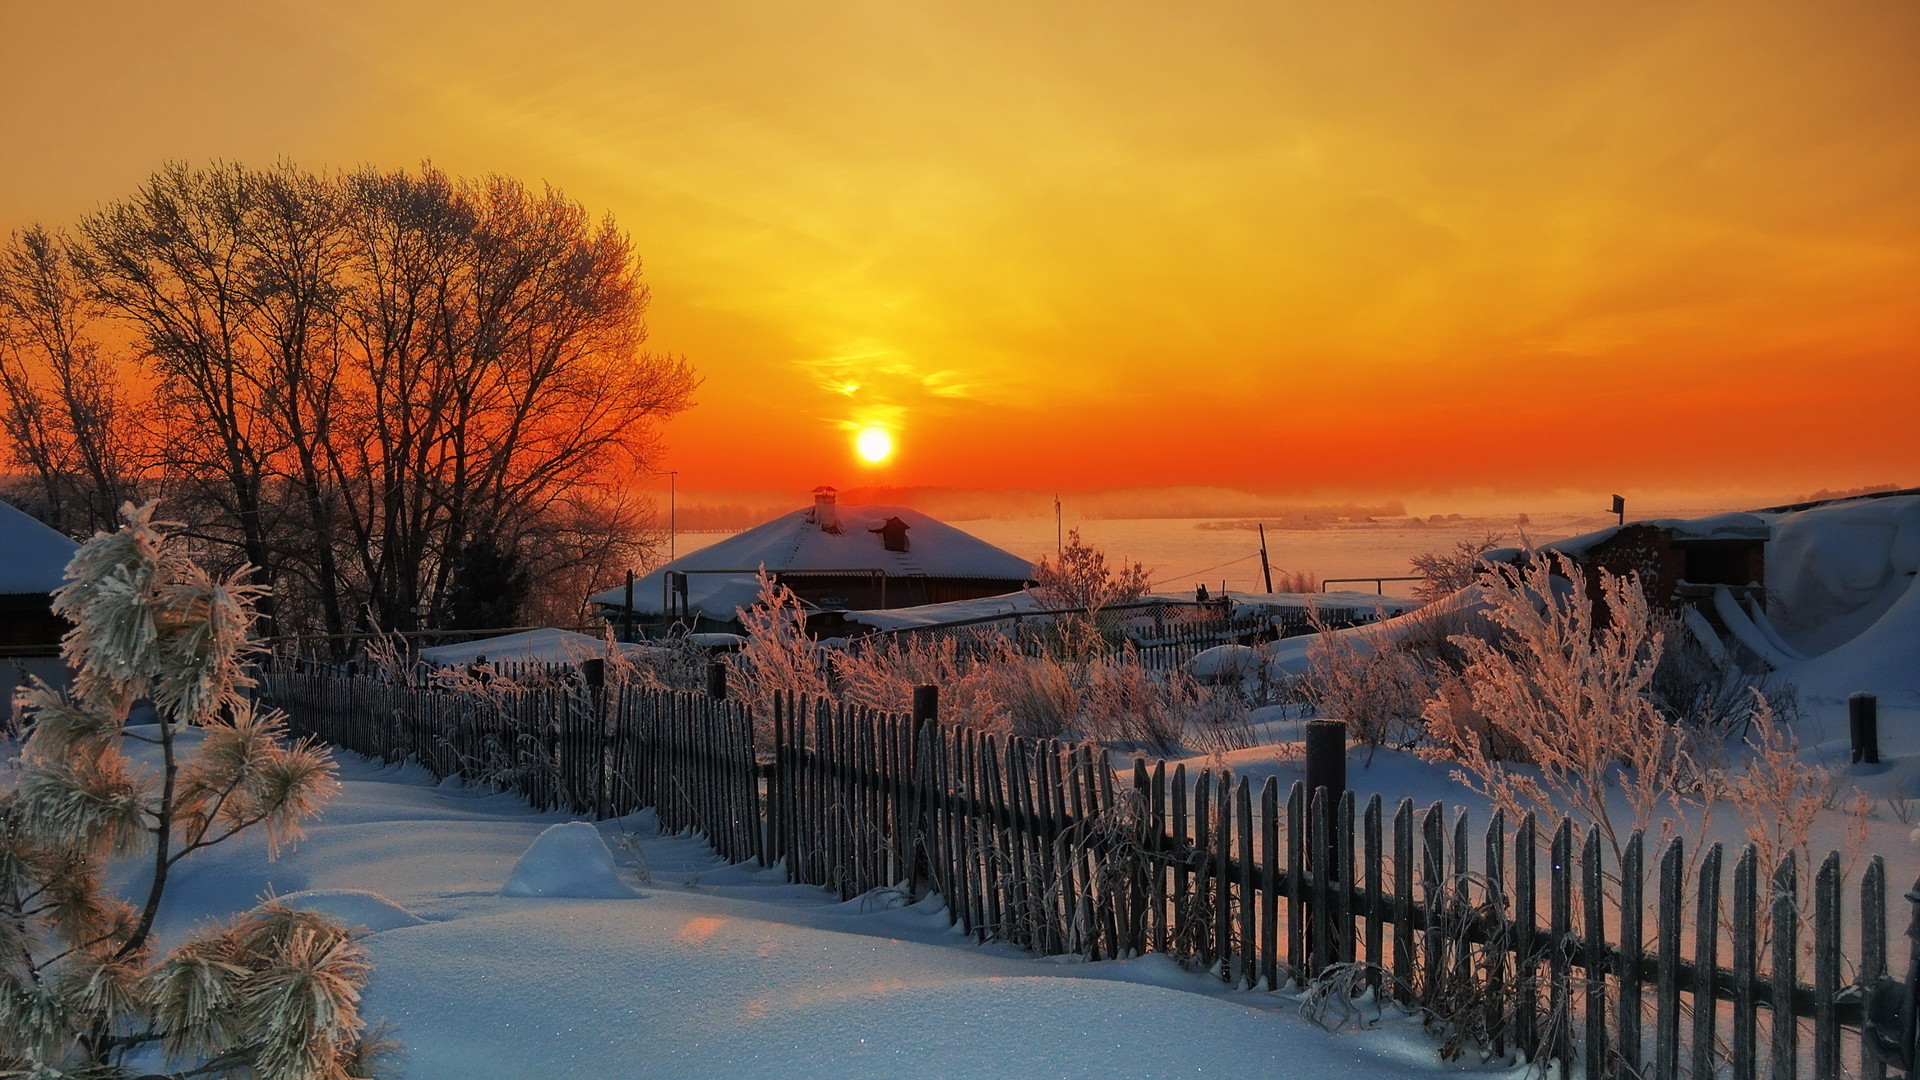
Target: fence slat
[[1873, 953], [1746, 935], [1666, 979], [1786, 955], [1826, 966], [1632, 951], [1593, 935]]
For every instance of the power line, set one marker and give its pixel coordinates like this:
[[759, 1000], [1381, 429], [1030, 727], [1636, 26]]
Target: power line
[[1211, 569]]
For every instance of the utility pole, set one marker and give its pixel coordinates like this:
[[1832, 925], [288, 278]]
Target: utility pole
[[1266, 568]]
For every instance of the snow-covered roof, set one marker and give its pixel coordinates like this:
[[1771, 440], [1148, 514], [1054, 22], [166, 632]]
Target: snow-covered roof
[[803, 541], [923, 616], [1733, 526], [543, 646], [33, 557]]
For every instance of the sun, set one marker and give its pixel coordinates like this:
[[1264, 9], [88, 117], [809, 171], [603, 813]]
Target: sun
[[873, 444]]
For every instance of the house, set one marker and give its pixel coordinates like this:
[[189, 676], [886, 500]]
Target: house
[[33, 563], [833, 557]]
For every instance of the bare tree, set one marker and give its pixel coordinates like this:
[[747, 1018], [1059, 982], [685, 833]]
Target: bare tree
[[173, 261], [498, 334], [65, 411], [388, 391]]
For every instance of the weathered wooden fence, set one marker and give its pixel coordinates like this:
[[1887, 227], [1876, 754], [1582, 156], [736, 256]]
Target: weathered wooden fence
[[1519, 936]]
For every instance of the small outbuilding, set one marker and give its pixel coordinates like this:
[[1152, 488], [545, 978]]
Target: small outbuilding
[[1679, 561]]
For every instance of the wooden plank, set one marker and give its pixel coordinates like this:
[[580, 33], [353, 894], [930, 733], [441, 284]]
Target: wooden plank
[[1247, 888], [1343, 898], [1078, 842], [974, 856], [1593, 943], [1745, 938], [994, 923], [1200, 922], [1270, 881], [1156, 865], [1706, 941], [1157, 852], [1559, 930], [1179, 940], [1668, 929], [1495, 952], [1026, 910], [1121, 917], [959, 793], [1372, 856], [1403, 966], [1633, 954], [1433, 894], [1786, 956], [1873, 954], [1826, 966], [1222, 874], [1320, 899]]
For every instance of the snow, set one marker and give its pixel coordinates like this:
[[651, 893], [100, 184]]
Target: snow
[[957, 611], [33, 558], [1843, 575], [357, 908], [698, 968], [568, 860], [1838, 569], [1733, 526], [797, 541], [546, 645]]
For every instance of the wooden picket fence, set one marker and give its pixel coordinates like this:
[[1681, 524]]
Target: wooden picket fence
[[1520, 937]]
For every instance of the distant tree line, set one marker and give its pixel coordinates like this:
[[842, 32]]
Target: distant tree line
[[408, 399]]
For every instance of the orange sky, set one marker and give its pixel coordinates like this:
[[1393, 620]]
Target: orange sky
[[1285, 248]]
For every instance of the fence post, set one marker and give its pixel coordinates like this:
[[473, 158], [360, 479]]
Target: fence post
[[717, 679], [1863, 723], [1326, 768]]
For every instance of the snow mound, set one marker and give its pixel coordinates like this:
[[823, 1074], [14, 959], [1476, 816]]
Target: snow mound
[[567, 860], [1225, 664], [1837, 570], [359, 909]]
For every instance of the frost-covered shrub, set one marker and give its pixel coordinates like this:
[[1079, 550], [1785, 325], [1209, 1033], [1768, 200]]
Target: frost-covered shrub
[[1690, 687], [1082, 585], [1443, 573], [83, 992], [1567, 694], [1379, 680], [779, 657]]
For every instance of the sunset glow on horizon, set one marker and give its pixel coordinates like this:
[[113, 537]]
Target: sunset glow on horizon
[[1274, 248]]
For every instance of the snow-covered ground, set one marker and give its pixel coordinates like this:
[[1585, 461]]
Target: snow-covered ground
[[667, 962]]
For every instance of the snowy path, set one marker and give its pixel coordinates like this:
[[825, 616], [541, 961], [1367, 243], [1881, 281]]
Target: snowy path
[[712, 970]]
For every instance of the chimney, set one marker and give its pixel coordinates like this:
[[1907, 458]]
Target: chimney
[[825, 513]]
